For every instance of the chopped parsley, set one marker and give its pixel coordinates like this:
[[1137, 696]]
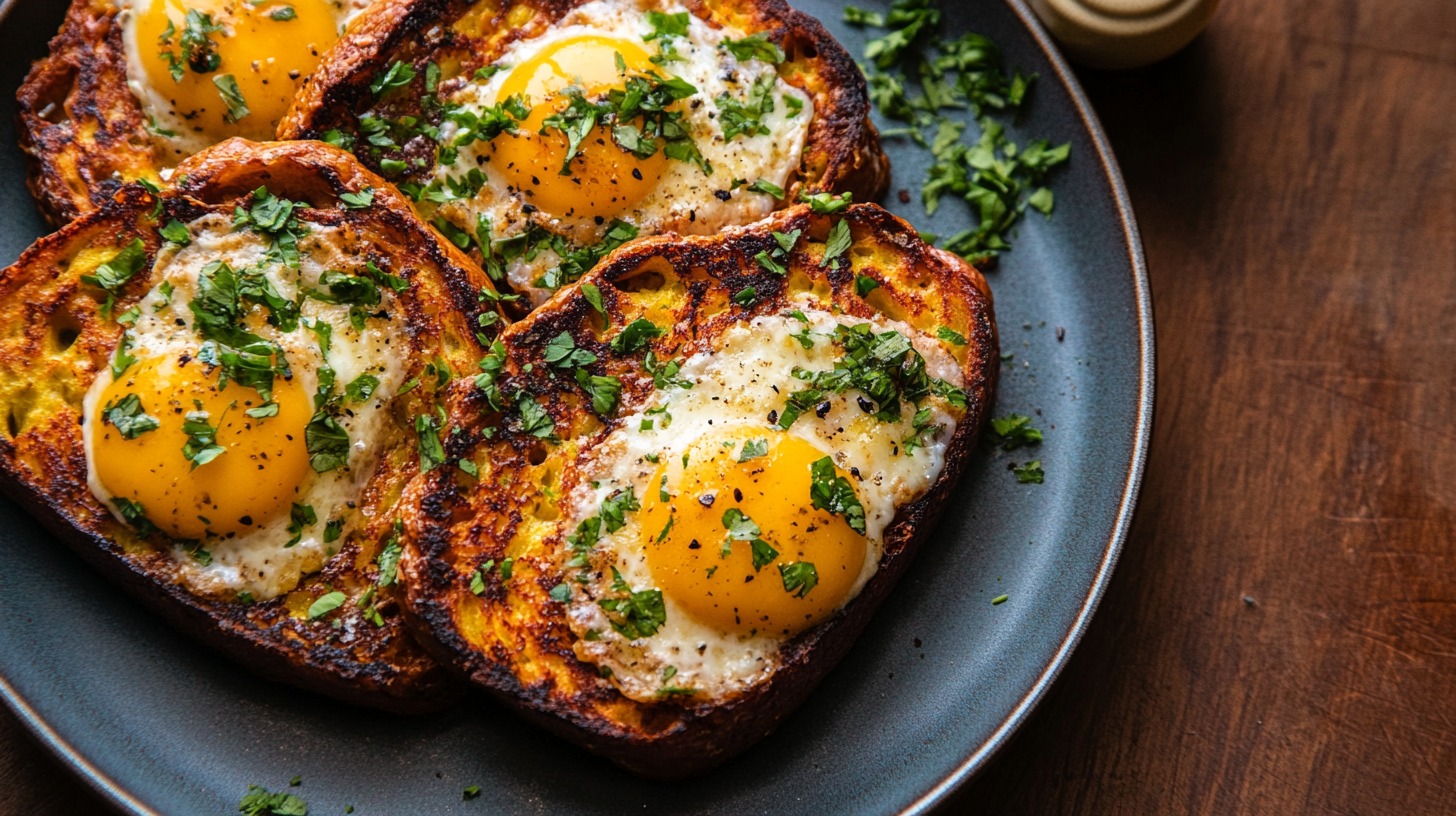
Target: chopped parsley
[[327, 442], [864, 284], [388, 559], [742, 528], [603, 390], [767, 188], [826, 203], [884, 367], [358, 201], [752, 449], [432, 452], [176, 232], [232, 96], [325, 604], [199, 52], [122, 267], [745, 118], [835, 246], [634, 614], [201, 446], [951, 336], [635, 336], [757, 46], [799, 577], [1014, 431], [299, 517], [129, 418], [260, 801], [535, 420], [996, 177], [746, 296], [397, 75], [561, 351], [831, 492], [1030, 473]]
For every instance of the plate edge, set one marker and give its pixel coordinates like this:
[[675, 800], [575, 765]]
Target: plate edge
[[1142, 431]]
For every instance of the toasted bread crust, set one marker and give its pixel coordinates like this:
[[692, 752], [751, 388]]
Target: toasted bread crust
[[509, 636], [54, 340], [80, 126], [842, 153]]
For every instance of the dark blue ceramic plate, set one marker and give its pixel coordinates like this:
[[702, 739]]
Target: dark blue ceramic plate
[[158, 724]]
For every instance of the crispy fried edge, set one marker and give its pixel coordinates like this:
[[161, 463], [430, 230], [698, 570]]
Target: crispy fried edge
[[260, 635], [841, 135], [673, 739], [84, 76]]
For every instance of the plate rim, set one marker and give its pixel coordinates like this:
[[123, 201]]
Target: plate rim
[[119, 797], [1142, 429]]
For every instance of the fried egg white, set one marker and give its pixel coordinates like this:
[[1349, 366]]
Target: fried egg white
[[237, 518], [207, 70], [713, 480], [521, 186]]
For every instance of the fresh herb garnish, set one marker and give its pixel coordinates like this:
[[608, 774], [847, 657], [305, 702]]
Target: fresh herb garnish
[[799, 577], [325, 604], [260, 801], [1014, 431], [832, 492], [201, 446], [634, 614], [129, 418], [232, 96], [756, 46], [1030, 473], [742, 528]]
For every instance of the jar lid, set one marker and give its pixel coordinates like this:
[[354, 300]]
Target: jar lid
[[1123, 33]]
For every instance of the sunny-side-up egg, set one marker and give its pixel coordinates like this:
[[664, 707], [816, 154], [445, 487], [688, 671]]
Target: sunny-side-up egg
[[732, 130], [255, 479], [719, 533], [207, 70]]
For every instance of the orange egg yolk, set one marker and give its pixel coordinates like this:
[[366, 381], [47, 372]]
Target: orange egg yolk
[[253, 480], [709, 572], [266, 47], [603, 180]]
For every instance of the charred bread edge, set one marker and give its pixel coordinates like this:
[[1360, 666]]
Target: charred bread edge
[[85, 75], [841, 119], [713, 734]]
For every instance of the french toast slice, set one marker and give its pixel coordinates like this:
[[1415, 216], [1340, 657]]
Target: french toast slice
[[501, 570], [82, 121], [402, 88], [74, 305]]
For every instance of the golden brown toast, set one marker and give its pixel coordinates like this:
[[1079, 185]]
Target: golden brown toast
[[505, 502], [59, 331]]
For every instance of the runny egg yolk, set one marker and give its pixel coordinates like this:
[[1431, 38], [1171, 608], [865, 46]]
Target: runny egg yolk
[[253, 480], [708, 571], [603, 180], [266, 47]]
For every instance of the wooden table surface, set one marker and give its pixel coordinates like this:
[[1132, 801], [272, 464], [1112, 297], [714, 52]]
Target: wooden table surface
[[1280, 635]]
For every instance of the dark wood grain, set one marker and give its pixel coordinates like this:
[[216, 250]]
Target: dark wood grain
[[1280, 636]]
